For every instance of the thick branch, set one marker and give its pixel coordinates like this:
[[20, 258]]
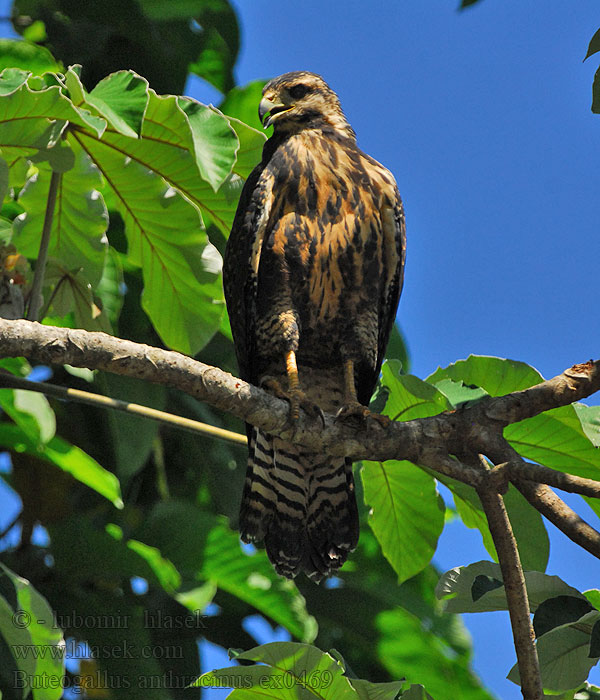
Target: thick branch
[[421, 441]]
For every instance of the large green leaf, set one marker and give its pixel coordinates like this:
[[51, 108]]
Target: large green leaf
[[215, 142], [121, 98], [164, 571], [132, 436], [251, 146], [287, 670], [564, 656], [182, 284], [203, 548], [31, 412], [410, 397], [461, 588], [407, 513], [80, 219], [242, 103], [557, 439], [409, 651], [68, 457], [26, 623], [27, 56], [167, 148], [33, 119], [528, 525], [496, 375]]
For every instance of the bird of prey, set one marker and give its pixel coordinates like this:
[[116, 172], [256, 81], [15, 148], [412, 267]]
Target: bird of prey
[[313, 272]]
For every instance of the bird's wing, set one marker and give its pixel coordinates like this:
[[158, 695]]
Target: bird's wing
[[393, 256], [240, 266]]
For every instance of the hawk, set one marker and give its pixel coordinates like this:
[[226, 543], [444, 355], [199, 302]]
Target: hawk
[[312, 273]]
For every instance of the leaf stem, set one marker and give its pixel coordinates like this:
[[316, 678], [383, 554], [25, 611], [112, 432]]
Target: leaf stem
[[35, 300]]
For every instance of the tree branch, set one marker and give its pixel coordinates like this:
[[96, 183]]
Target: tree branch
[[516, 592], [421, 441]]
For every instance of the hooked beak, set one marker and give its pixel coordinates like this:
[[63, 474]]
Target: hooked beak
[[268, 111]]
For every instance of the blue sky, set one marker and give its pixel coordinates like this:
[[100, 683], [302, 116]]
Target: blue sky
[[484, 118]]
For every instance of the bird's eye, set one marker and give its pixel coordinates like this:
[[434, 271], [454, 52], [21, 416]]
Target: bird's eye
[[298, 91]]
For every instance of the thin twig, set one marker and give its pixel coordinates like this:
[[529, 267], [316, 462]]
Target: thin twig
[[516, 592], [8, 380], [520, 469], [543, 499], [35, 300]]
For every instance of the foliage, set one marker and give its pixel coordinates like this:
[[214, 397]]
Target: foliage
[[142, 553]]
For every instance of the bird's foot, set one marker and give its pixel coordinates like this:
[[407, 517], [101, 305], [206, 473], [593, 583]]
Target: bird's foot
[[297, 400], [354, 409]]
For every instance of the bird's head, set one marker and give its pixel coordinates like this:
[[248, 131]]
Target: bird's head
[[300, 100]]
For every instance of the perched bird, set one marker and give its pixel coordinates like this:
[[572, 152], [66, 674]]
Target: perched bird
[[313, 272]]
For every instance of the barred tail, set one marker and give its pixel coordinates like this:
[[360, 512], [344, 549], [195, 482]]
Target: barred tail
[[302, 505]]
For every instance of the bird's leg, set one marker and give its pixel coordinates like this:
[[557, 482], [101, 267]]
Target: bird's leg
[[294, 394], [352, 406]]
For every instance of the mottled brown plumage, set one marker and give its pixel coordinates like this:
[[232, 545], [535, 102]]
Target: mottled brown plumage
[[313, 273]]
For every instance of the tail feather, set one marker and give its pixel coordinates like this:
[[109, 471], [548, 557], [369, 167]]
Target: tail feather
[[302, 505]]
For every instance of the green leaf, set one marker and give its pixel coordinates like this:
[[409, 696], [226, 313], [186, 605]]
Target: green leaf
[[251, 147], [458, 393], [121, 98], [563, 654], [182, 283], [60, 157], [493, 374], [242, 103], [557, 611], [30, 623], [27, 56], [69, 458], [203, 548], [416, 692], [31, 412], [4, 179], [409, 651], [167, 147], [166, 574], [11, 80], [409, 396], [594, 45], [529, 530], [32, 119], [132, 436], [589, 417], [407, 513], [557, 439], [397, 349], [110, 288], [367, 690], [215, 142], [73, 293], [455, 587], [290, 670], [80, 219], [593, 596]]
